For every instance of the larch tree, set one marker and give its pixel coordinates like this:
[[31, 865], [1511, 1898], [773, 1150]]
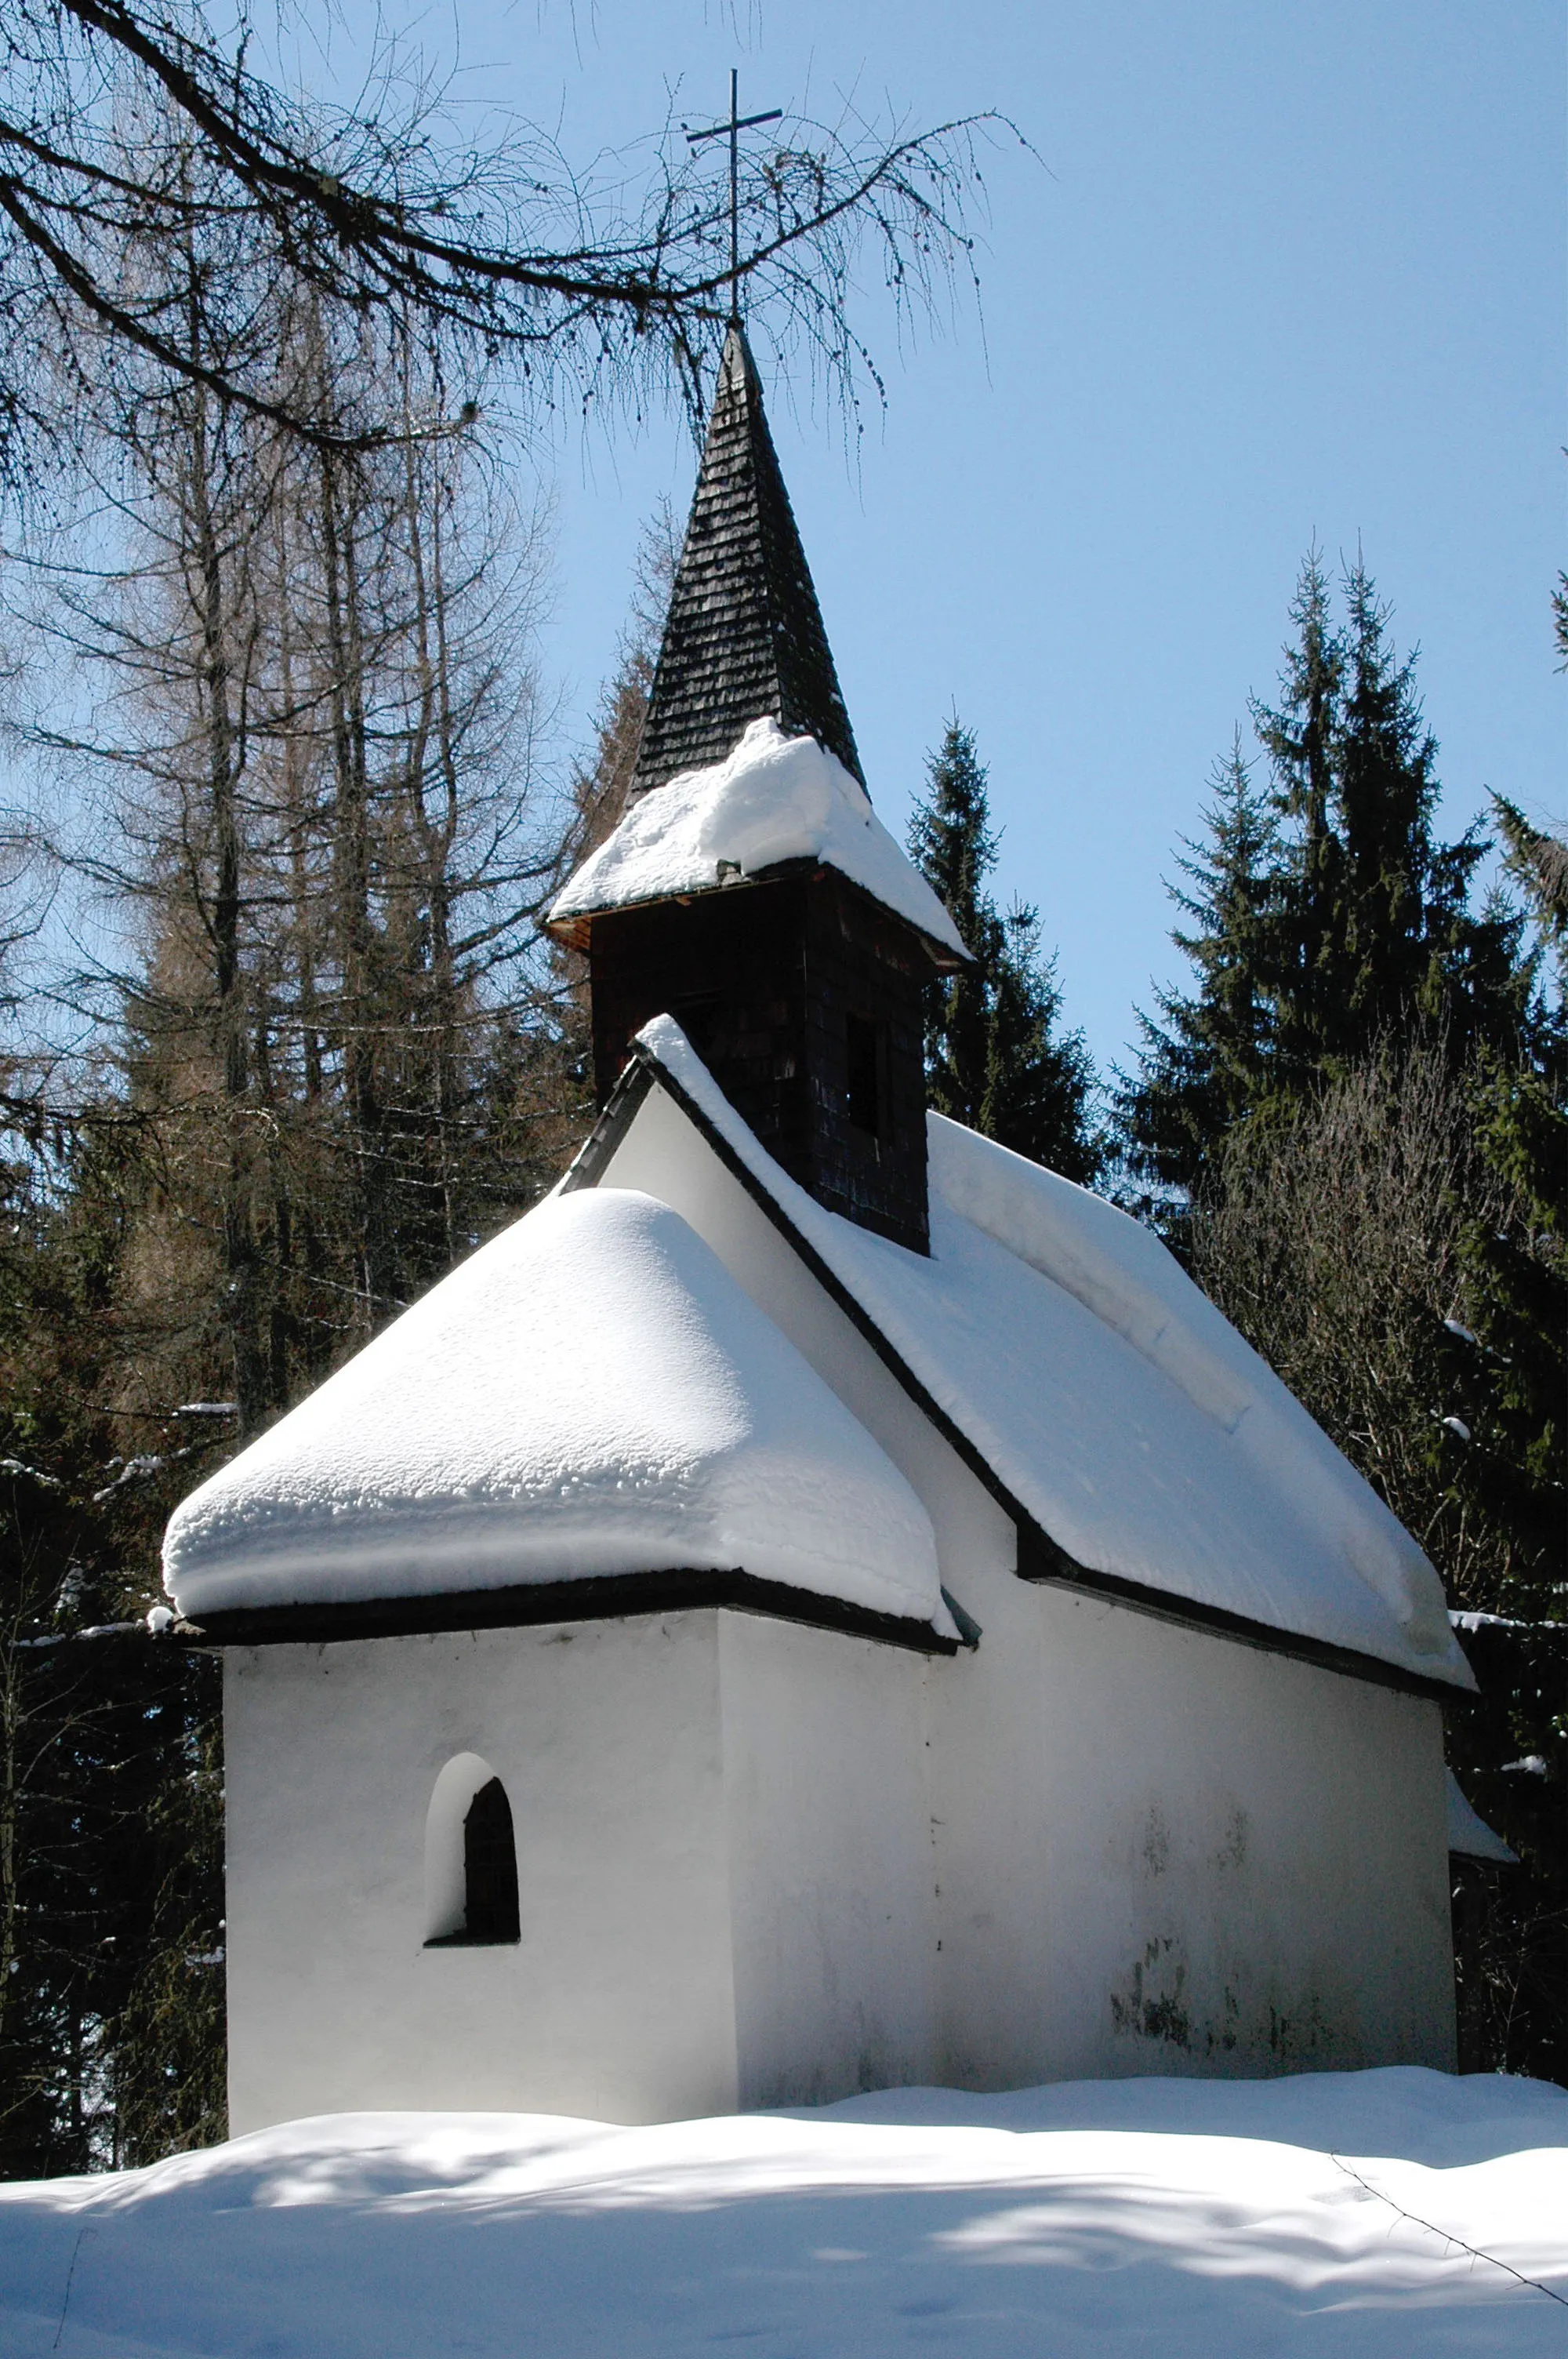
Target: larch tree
[[300, 1046], [318, 848], [599, 782], [593, 281]]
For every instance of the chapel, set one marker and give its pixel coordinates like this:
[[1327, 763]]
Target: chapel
[[820, 1603]]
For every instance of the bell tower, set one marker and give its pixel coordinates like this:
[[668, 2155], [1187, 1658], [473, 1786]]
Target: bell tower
[[800, 979]]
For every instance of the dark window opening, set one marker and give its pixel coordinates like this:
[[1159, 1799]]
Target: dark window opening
[[700, 1019], [489, 1874], [864, 1063]]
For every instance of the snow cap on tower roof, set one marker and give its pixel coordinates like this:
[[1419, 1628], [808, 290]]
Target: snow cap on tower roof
[[773, 800]]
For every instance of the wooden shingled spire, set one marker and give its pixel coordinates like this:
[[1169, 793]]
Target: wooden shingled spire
[[744, 636]]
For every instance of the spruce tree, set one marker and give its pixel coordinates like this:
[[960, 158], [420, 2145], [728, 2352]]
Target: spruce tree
[[1410, 947], [1515, 1249], [1039, 1083], [1358, 1107], [994, 1058], [952, 843], [1208, 1055], [1300, 737], [1331, 916]]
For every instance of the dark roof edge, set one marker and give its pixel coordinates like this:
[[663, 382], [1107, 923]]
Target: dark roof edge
[[524, 1605], [572, 929], [583, 1170], [1040, 1557]]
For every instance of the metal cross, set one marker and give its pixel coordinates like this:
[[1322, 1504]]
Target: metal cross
[[733, 129]]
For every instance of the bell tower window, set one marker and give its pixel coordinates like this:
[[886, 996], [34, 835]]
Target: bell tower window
[[863, 1060]]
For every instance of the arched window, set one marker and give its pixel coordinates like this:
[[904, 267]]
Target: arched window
[[470, 1859], [490, 1867]]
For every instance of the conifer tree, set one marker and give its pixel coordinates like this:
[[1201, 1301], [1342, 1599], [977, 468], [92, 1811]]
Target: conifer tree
[[1358, 1108], [318, 1072], [1516, 1254], [1209, 1057], [952, 843], [1409, 944], [994, 1057], [1331, 916], [1039, 1083], [1299, 737], [111, 1877], [599, 784]]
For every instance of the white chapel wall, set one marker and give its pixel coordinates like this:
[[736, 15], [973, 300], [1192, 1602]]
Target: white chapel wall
[[832, 1869], [618, 2001], [1154, 1850], [759, 1863], [1245, 1859], [1161, 1851]]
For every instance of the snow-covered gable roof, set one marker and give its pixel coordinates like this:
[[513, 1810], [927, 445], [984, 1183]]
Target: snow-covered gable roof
[[1108, 1400], [775, 801], [589, 1395]]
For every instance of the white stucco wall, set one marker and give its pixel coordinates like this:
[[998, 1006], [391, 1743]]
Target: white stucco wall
[[832, 1872], [724, 1870], [1155, 1849], [1188, 1856], [760, 1864], [616, 2002], [1246, 1857]]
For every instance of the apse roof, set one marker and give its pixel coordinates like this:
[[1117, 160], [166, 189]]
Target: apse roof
[[589, 1395], [744, 635]]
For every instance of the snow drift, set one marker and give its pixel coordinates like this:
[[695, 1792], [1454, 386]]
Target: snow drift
[[1352, 2216]]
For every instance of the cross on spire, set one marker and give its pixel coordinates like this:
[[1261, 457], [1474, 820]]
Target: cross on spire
[[732, 130]]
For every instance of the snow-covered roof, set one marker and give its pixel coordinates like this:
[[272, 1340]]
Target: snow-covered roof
[[590, 1393], [775, 799], [1110, 1399], [593, 1395], [1468, 1833]]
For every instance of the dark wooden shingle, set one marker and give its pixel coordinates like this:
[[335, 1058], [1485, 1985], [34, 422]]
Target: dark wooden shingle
[[744, 637]]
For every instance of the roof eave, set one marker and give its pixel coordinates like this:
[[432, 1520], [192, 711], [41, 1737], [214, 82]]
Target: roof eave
[[575, 930], [528, 1604]]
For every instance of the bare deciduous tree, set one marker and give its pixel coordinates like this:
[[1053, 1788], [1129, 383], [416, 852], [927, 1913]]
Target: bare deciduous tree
[[1333, 1237], [125, 125]]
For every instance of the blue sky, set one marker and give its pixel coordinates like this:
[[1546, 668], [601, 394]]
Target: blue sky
[[1281, 272]]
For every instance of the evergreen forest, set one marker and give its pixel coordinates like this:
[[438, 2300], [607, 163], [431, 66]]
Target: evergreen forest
[[283, 1037]]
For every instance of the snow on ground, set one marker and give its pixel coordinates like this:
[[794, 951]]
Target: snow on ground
[[775, 799], [1388, 2212]]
